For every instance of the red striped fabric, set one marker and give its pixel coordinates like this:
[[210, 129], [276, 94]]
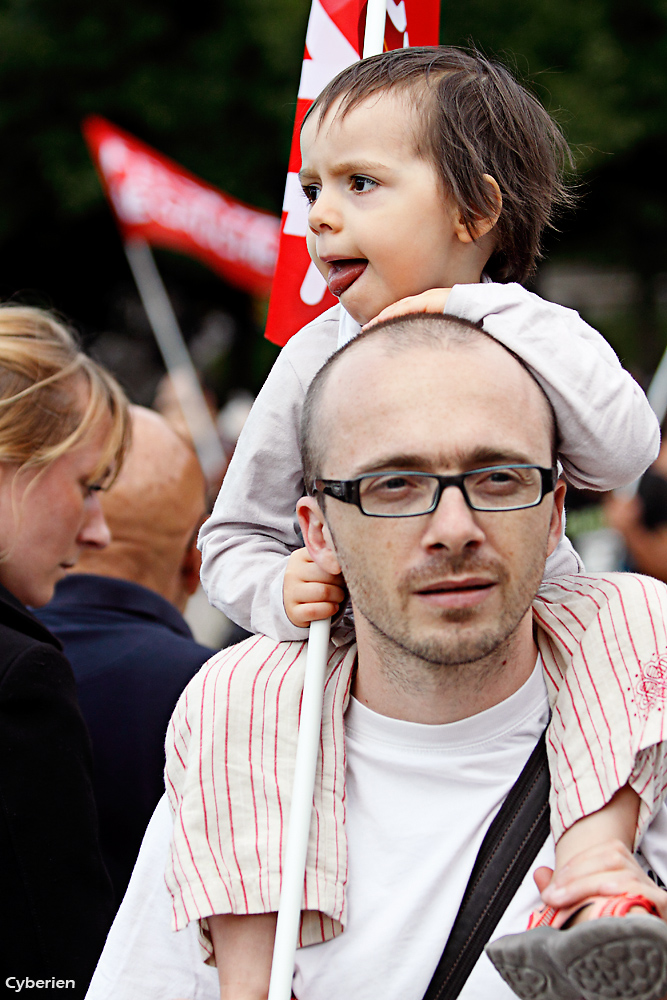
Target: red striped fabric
[[232, 742]]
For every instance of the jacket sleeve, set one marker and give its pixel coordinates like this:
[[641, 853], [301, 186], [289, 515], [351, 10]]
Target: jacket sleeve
[[608, 432], [62, 903], [253, 529]]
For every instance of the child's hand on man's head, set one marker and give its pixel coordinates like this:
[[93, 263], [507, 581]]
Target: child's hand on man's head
[[310, 593], [431, 301]]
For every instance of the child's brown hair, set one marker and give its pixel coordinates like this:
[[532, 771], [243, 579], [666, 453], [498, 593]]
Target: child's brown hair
[[476, 119]]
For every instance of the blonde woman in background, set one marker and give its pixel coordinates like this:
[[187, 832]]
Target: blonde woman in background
[[63, 434]]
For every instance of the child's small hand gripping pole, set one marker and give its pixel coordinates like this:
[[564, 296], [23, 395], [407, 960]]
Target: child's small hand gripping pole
[[291, 896], [309, 592]]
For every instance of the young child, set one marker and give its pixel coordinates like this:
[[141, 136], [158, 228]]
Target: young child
[[427, 171]]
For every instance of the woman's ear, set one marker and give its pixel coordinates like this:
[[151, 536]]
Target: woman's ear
[[484, 224], [316, 535]]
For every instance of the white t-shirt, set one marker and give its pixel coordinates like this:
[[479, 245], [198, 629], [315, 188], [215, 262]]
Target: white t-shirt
[[419, 801]]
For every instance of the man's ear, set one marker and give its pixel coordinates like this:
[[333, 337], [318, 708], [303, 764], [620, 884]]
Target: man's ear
[[190, 568], [556, 526], [485, 224], [316, 535]]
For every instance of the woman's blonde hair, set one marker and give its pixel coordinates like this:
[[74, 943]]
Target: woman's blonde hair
[[52, 395]]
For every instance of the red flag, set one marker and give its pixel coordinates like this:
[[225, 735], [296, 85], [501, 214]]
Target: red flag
[[334, 40], [157, 200]]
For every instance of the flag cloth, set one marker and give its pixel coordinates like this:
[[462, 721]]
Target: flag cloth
[[334, 40], [157, 200]]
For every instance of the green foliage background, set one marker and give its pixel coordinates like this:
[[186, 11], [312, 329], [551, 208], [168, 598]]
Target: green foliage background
[[601, 67], [213, 85]]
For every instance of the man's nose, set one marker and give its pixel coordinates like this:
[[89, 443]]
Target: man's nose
[[453, 524], [94, 531]]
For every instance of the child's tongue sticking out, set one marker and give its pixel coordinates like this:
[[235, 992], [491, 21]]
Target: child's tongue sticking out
[[343, 273]]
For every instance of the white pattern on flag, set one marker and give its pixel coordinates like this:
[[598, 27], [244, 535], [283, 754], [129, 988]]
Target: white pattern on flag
[[398, 17], [296, 207], [333, 39], [314, 286], [329, 51]]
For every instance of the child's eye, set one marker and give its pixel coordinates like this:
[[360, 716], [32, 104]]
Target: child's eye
[[311, 192], [363, 184]]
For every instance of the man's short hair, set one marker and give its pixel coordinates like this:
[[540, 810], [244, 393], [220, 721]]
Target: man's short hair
[[413, 330], [474, 119]]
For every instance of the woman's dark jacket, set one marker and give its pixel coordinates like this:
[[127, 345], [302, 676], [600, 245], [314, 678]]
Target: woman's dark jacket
[[55, 895]]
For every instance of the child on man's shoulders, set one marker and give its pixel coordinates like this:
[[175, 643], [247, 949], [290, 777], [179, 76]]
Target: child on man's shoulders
[[431, 175]]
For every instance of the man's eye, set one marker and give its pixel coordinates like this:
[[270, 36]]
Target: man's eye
[[311, 192], [363, 184], [395, 483], [501, 481], [501, 477], [389, 484]]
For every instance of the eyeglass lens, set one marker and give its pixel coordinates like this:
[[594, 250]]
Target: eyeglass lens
[[487, 489]]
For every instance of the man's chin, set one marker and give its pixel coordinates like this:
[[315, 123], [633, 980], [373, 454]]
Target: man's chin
[[453, 654], [459, 637]]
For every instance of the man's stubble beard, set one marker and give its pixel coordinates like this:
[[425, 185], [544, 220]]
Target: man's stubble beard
[[486, 647]]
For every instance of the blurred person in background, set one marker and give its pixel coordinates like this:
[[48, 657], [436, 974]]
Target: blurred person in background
[[120, 619], [641, 520], [209, 623], [63, 433]]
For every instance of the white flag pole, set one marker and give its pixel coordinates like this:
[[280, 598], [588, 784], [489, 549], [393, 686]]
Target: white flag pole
[[291, 894], [176, 358], [376, 16], [296, 849]]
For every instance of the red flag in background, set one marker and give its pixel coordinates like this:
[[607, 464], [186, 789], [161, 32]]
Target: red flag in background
[[334, 40], [155, 199]]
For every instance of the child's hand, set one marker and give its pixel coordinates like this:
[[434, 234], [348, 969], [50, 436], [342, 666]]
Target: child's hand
[[604, 870], [432, 301], [309, 593]]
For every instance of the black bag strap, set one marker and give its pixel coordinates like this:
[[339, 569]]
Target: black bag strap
[[509, 848]]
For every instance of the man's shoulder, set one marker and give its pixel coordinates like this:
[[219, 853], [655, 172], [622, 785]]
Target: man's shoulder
[[112, 625], [604, 586], [254, 653], [259, 660], [574, 602], [89, 600]]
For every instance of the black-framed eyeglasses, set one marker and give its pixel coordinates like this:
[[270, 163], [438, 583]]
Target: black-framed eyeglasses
[[409, 494]]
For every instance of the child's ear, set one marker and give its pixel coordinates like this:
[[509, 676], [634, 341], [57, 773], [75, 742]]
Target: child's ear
[[316, 535], [485, 224]]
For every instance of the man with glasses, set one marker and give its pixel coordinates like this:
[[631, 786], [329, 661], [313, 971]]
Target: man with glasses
[[429, 454]]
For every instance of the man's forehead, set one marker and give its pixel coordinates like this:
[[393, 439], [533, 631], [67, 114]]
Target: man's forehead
[[449, 405]]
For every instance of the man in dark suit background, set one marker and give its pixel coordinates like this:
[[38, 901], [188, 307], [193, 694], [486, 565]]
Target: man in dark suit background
[[119, 617]]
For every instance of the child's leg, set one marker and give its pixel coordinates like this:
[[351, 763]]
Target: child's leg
[[615, 821], [243, 948], [603, 641], [230, 789]]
